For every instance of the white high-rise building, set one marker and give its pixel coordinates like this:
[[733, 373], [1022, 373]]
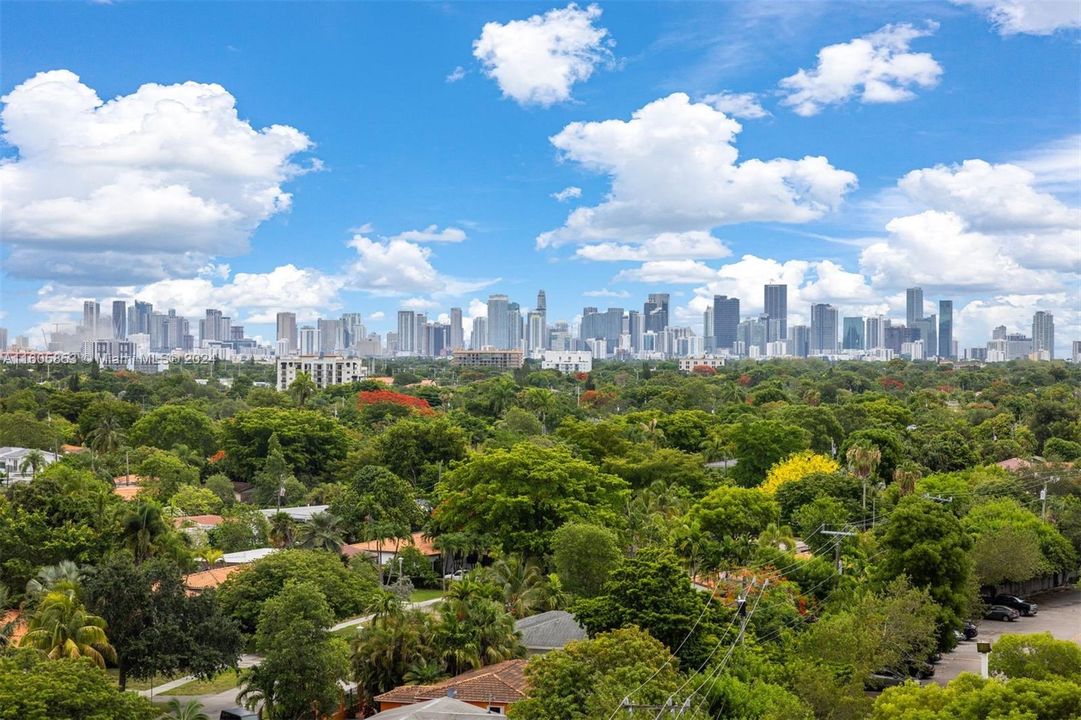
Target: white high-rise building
[[499, 331], [874, 332], [407, 332], [91, 316], [457, 332], [1043, 335], [308, 341], [479, 339], [287, 332]]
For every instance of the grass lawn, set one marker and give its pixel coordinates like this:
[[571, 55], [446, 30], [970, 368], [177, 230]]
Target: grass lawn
[[422, 595], [225, 681], [134, 684]]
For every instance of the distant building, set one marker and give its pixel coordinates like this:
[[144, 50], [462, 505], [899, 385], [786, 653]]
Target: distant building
[[688, 364], [852, 334], [945, 329], [725, 321], [567, 361], [287, 333], [776, 306], [457, 332], [13, 458], [1043, 335], [823, 329], [499, 331], [120, 319], [324, 371], [913, 305], [506, 359], [799, 341], [1076, 355]]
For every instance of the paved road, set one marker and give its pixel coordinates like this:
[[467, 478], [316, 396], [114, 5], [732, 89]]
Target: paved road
[[1060, 614]]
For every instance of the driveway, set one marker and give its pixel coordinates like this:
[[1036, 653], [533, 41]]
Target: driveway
[[1060, 614]]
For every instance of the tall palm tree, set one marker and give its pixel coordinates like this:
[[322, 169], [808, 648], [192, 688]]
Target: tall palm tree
[[142, 525], [323, 531], [34, 461], [62, 628], [282, 530], [190, 710], [863, 459], [107, 435], [652, 432], [905, 480]]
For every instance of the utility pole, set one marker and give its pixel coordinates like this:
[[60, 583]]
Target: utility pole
[[1043, 496], [837, 546], [668, 708]]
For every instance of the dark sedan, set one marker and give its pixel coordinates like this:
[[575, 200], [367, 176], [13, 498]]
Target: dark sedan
[[1026, 608]]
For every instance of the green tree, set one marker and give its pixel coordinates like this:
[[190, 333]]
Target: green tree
[[165, 473], [302, 662], [415, 448], [759, 444], [734, 516], [925, 543], [1038, 656], [168, 426], [524, 587], [155, 626], [589, 678], [584, 555], [384, 650], [348, 592], [107, 434], [35, 688], [311, 442], [143, 526], [222, 486], [651, 590], [523, 494], [969, 696], [195, 500]]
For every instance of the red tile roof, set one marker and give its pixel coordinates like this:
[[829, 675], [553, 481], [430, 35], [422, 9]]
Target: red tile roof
[[503, 684], [210, 578], [387, 545], [208, 520]]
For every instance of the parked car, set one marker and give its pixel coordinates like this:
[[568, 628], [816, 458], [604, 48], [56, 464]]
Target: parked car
[[968, 631], [238, 713], [1026, 608], [456, 575], [883, 679], [1001, 612]]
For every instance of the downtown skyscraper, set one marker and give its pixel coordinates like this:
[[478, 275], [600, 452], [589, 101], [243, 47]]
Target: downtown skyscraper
[[776, 306]]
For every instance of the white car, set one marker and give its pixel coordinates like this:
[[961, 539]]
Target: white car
[[456, 575]]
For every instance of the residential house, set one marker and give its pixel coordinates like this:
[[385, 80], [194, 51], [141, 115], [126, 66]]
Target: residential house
[[493, 688], [444, 708], [384, 551], [13, 458]]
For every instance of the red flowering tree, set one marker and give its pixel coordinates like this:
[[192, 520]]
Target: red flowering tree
[[389, 397], [703, 370]]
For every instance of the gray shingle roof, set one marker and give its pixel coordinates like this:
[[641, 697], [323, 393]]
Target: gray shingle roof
[[549, 630]]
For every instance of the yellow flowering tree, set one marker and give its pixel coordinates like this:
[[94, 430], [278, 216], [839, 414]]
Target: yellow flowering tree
[[796, 466]]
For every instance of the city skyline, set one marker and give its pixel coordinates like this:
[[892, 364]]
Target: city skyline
[[616, 333], [518, 181]]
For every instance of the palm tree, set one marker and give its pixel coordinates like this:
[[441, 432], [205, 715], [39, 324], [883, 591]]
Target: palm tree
[[210, 556], [863, 459], [190, 710], [777, 536], [302, 389], [424, 671], [62, 628], [107, 436], [540, 401], [141, 527], [282, 530], [322, 531], [525, 588], [34, 461], [905, 480], [652, 432], [714, 448], [65, 575]]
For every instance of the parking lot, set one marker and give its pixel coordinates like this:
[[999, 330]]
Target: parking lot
[[1059, 614]]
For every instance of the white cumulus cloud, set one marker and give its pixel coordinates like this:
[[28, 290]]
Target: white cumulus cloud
[[394, 266], [875, 68], [536, 61], [568, 193], [164, 178], [674, 168], [737, 105], [689, 245], [432, 233], [1032, 17]]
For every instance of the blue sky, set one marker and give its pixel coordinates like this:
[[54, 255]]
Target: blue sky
[[845, 180]]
